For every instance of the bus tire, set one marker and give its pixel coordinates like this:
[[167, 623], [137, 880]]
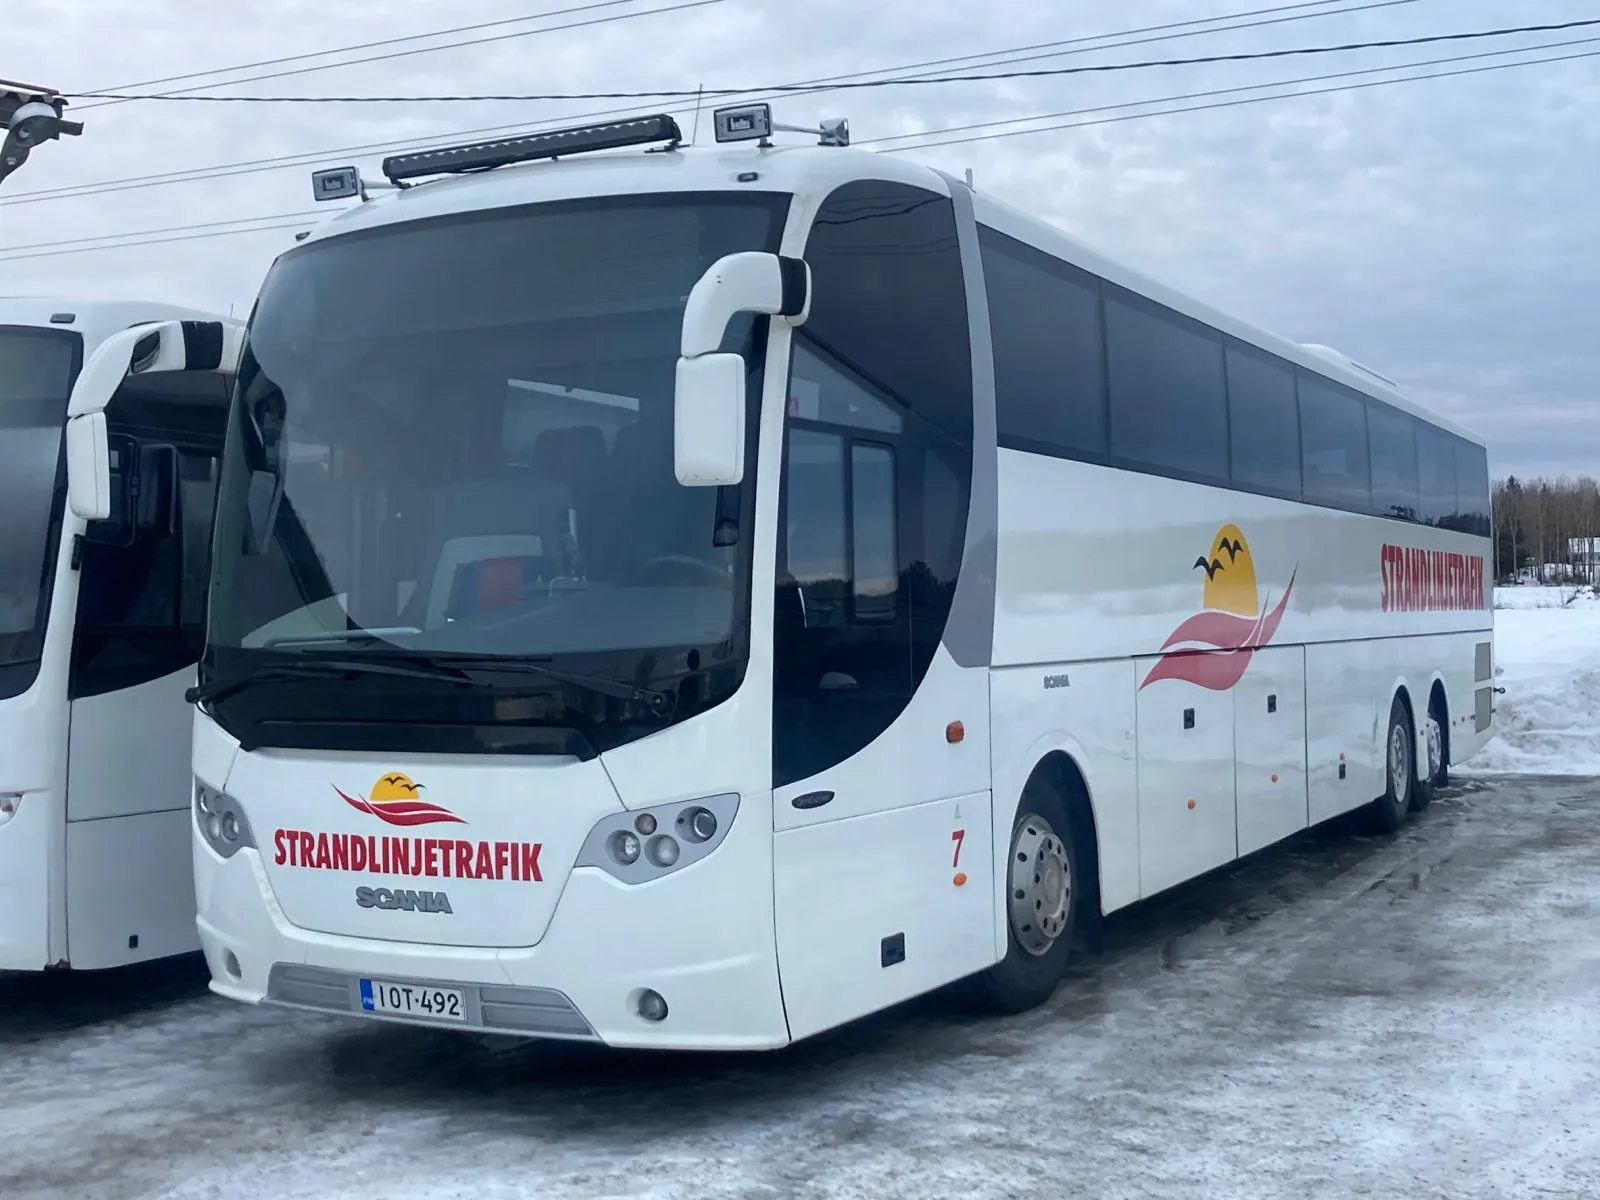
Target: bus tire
[[1390, 810], [1422, 790], [1045, 887]]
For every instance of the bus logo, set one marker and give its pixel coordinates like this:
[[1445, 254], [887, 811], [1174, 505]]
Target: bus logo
[[1213, 648], [393, 800]]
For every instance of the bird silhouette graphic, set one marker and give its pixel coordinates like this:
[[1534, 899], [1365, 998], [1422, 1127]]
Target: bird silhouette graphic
[[393, 800], [1213, 647]]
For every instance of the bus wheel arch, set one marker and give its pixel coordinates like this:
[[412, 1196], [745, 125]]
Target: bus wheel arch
[[1051, 888], [1439, 710]]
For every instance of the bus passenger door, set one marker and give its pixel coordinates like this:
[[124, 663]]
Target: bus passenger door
[[882, 863], [1186, 777], [1269, 731]]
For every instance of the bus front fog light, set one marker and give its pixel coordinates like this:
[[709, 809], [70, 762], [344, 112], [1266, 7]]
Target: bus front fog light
[[214, 827], [646, 824], [652, 1005], [625, 848], [663, 850], [230, 827]]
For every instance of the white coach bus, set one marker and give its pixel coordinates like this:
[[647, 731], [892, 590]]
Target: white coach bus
[[101, 624], [695, 598]]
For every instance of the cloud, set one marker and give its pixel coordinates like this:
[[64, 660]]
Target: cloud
[[1439, 231]]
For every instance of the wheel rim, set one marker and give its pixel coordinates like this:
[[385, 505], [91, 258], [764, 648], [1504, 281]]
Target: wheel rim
[[1041, 885], [1399, 764]]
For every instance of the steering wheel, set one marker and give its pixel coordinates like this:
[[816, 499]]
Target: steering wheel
[[681, 561]]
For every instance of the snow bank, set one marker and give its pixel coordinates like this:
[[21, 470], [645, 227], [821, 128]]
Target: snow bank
[[1547, 652]]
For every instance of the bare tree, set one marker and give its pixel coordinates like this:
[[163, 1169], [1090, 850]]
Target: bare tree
[[1549, 528]]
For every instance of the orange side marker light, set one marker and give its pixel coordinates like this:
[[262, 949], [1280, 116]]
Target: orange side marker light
[[961, 879], [1191, 804], [954, 732]]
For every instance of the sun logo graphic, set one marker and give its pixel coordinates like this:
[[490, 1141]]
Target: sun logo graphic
[[393, 799], [1233, 622]]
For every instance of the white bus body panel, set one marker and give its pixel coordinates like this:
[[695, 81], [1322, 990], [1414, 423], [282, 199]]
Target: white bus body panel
[[95, 870], [33, 740], [130, 881], [1099, 564], [1269, 746], [34, 732], [702, 936]]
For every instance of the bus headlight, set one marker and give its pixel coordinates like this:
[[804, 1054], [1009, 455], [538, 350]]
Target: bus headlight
[[637, 847], [220, 821]]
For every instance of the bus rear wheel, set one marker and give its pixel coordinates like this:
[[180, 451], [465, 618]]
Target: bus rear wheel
[[1043, 892], [1390, 810]]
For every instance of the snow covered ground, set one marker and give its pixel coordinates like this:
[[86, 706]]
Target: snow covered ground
[[1547, 648], [1407, 1017], [1343, 1016]]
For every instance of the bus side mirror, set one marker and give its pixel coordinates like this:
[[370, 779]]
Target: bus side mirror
[[89, 467], [709, 392], [708, 421]]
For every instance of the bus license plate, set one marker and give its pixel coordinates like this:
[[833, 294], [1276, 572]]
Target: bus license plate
[[413, 1000]]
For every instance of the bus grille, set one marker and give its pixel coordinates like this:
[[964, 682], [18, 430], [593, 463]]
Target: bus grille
[[491, 1008]]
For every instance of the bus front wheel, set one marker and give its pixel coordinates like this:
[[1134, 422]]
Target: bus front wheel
[[1044, 888]]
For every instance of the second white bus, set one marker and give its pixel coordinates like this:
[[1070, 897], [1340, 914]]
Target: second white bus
[[695, 598], [102, 616]]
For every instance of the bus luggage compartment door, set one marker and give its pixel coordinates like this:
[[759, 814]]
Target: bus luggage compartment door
[[1186, 779], [1269, 730]]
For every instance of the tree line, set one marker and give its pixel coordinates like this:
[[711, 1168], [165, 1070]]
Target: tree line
[[1536, 522]]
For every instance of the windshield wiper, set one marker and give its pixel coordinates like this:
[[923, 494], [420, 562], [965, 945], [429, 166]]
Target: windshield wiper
[[660, 702], [221, 689], [340, 637]]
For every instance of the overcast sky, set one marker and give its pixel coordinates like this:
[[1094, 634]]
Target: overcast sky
[[1443, 232]]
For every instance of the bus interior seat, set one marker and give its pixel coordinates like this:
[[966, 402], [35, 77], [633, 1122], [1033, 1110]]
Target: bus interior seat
[[469, 523]]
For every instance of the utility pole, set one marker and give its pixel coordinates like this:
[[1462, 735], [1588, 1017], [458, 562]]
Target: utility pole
[[30, 115]]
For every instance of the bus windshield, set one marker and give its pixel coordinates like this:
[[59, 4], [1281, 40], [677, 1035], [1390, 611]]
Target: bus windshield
[[454, 437], [37, 369]]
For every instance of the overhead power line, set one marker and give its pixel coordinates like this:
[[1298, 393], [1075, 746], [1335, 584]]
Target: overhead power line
[[201, 231], [1235, 103], [374, 45], [1038, 73], [122, 95], [1083, 44], [147, 235], [1234, 91], [7, 257]]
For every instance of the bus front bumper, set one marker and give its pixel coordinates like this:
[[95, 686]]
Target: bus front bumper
[[687, 938]]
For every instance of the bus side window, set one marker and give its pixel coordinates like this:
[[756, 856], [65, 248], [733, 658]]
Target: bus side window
[[816, 537], [141, 607]]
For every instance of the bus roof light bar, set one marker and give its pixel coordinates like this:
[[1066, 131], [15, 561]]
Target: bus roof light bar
[[581, 139]]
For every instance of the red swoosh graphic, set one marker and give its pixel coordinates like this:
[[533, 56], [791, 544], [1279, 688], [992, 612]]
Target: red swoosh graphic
[[403, 812], [1226, 644]]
